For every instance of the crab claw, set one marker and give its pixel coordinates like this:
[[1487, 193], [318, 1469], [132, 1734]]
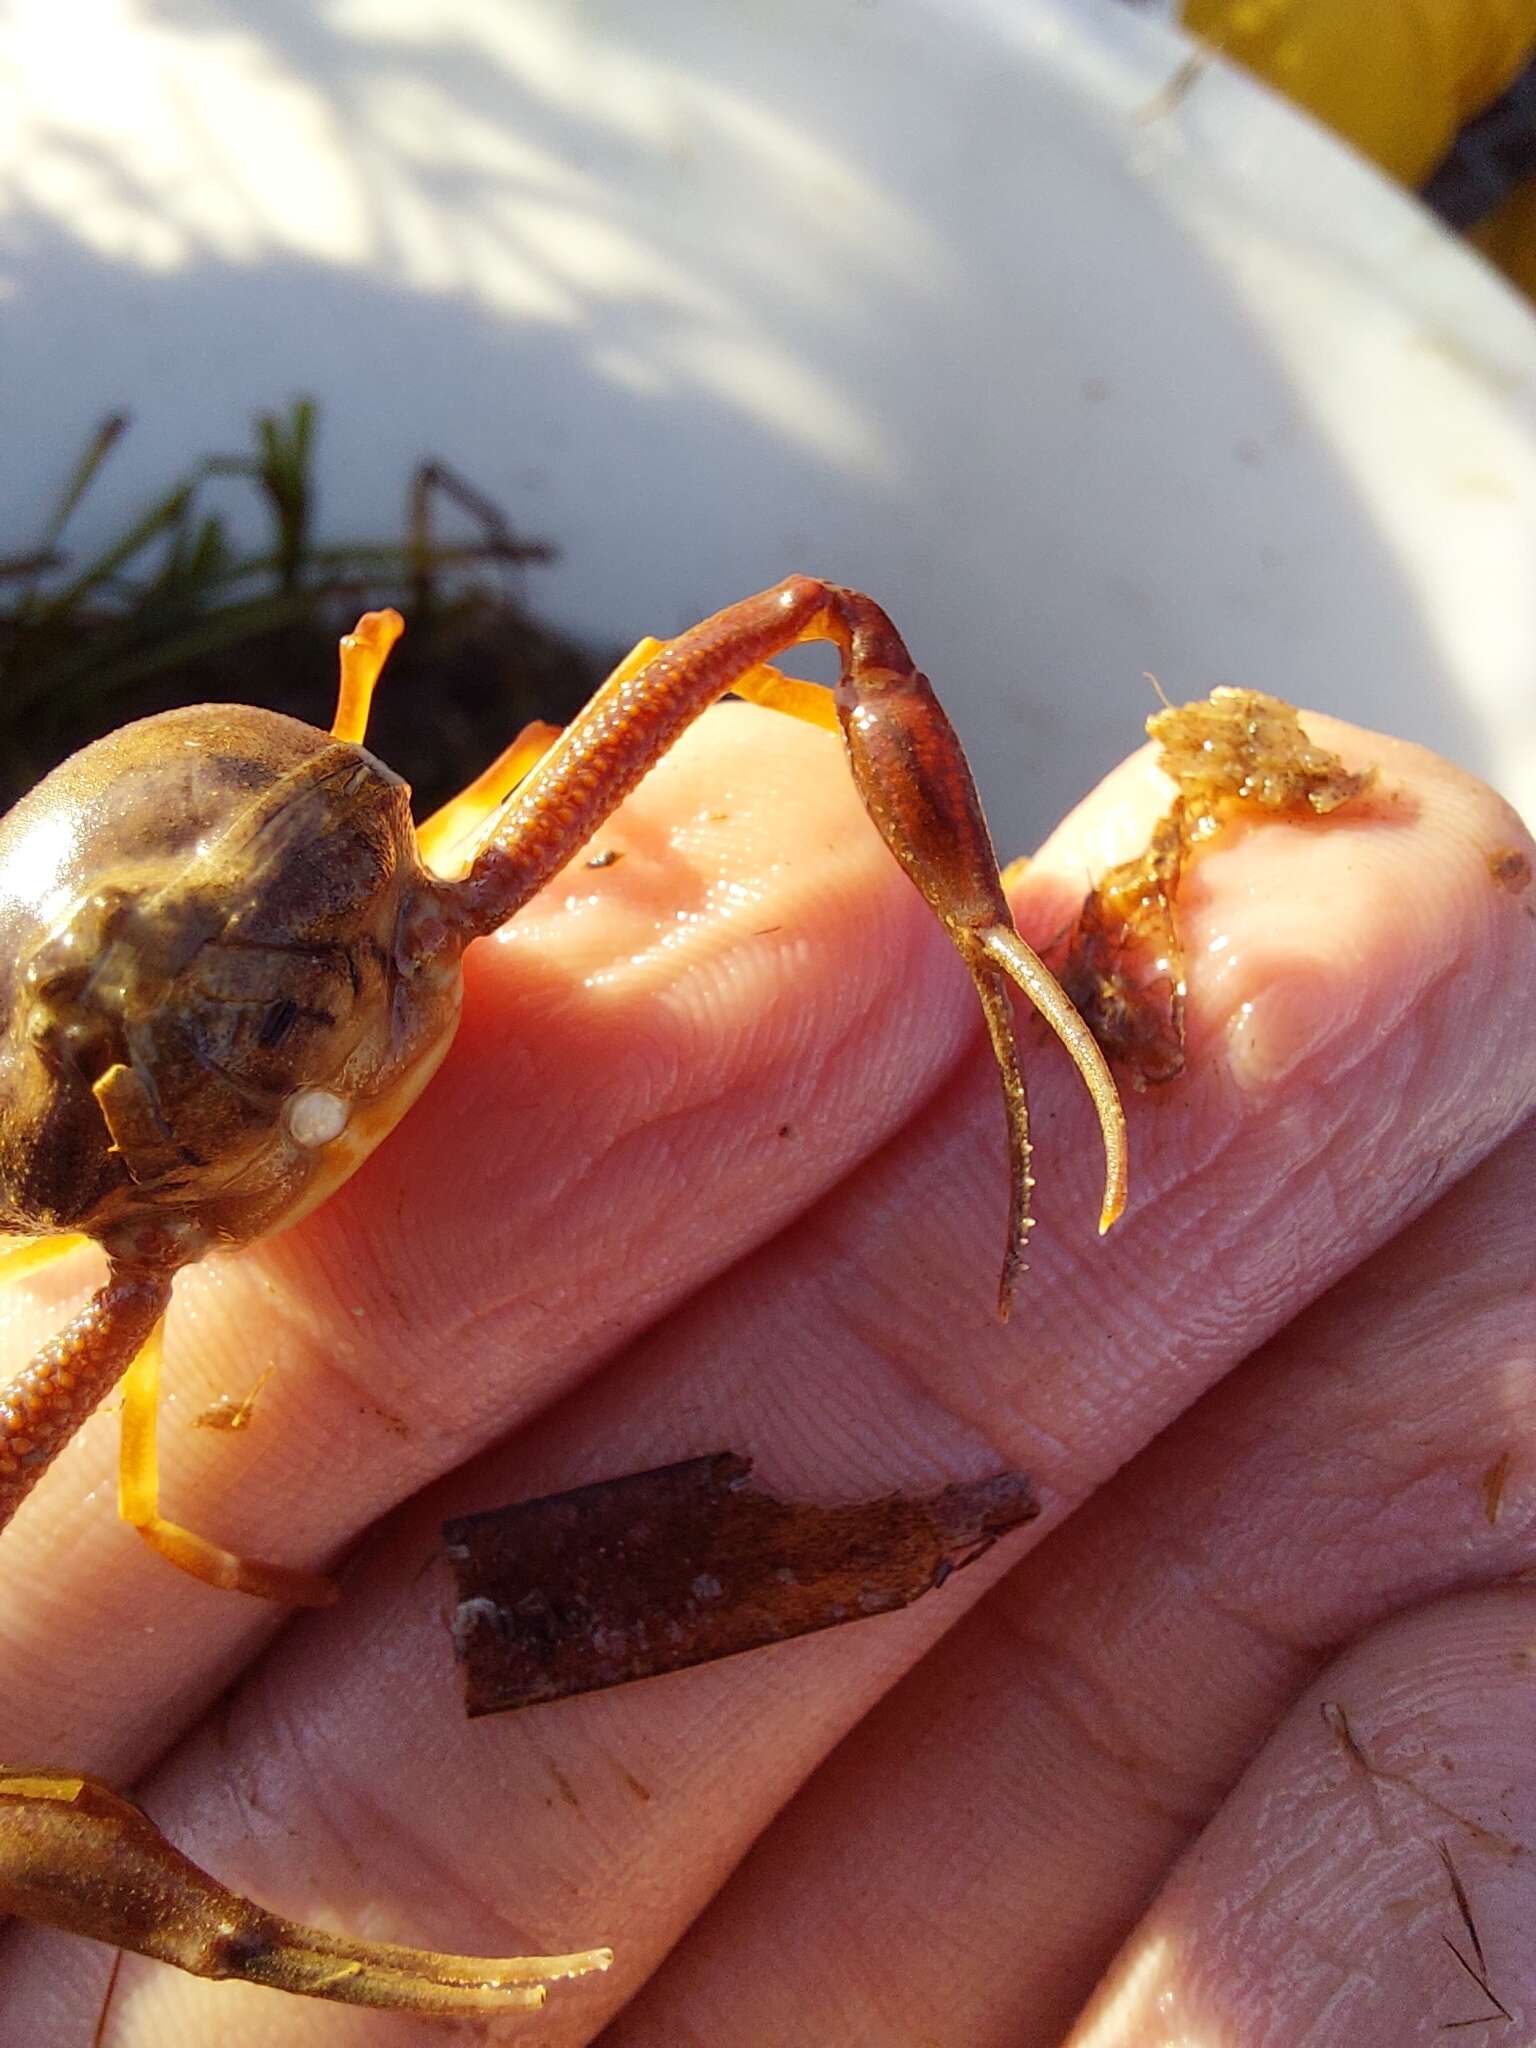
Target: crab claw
[[76, 1855], [917, 786]]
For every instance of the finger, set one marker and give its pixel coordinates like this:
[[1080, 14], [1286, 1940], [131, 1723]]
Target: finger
[[821, 1358], [661, 1061], [1321, 1904], [1073, 1736]]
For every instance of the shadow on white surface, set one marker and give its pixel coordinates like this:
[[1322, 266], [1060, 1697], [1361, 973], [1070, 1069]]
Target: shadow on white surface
[[903, 295]]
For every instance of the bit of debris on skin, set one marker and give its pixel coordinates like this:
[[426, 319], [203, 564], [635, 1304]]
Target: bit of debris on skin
[[227, 1413], [608, 858], [1183, 82], [1124, 967], [1478, 1972], [1232, 754], [659, 1570], [1237, 748], [1494, 1480], [1374, 1775], [1510, 869]]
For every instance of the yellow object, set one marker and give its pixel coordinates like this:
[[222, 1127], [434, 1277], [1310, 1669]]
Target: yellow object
[[1397, 78], [33, 1253], [138, 1502], [364, 652]]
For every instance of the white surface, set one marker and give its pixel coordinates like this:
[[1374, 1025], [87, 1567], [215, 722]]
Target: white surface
[[930, 298]]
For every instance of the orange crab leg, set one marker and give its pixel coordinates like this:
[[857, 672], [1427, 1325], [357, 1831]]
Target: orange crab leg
[[43, 1406], [451, 837], [449, 840], [76, 1855], [909, 769], [33, 1253], [364, 652], [138, 1502], [811, 703]]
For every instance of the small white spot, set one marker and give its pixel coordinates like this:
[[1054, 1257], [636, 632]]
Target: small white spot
[[315, 1116]]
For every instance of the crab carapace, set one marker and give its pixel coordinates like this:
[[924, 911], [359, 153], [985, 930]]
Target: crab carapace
[[230, 962]]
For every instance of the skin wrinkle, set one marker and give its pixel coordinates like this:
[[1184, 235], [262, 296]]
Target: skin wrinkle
[[1070, 1691], [979, 1435], [341, 1809], [1340, 1149], [1128, 1789], [1498, 1311], [437, 1894], [591, 1174], [1384, 1478], [1294, 1645], [673, 1132], [439, 1886], [201, 1487], [591, 1167], [863, 1317], [836, 1048], [855, 1295], [324, 1365], [1208, 1229]]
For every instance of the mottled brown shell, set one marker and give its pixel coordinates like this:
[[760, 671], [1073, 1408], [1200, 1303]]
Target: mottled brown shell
[[202, 916]]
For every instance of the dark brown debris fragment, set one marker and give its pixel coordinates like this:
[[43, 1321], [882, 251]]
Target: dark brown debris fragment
[[1124, 967], [658, 1570], [1478, 1972], [1493, 1483]]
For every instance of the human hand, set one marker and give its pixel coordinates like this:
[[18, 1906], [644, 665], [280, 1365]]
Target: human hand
[[650, 1208]]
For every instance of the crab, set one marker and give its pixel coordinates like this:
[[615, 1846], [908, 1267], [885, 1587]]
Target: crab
[[229, 964]]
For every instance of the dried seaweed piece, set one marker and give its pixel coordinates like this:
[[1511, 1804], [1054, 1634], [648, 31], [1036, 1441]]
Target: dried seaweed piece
[[1122, 964], [1237, 748], [685, 1564], [1124, 967]]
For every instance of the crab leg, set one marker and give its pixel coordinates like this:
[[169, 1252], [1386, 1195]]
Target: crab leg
[[31, 1254], [909, 769], [43, 1406], [138, 1502], [75, 1855], [452, 836], [116, 1336], [449, 840], [364, 652]]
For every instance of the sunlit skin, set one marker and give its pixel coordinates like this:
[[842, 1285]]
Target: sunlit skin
[[941, 1825], [232, 965]]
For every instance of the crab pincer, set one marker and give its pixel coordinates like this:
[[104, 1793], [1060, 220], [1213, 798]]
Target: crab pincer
[[910, 771]]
